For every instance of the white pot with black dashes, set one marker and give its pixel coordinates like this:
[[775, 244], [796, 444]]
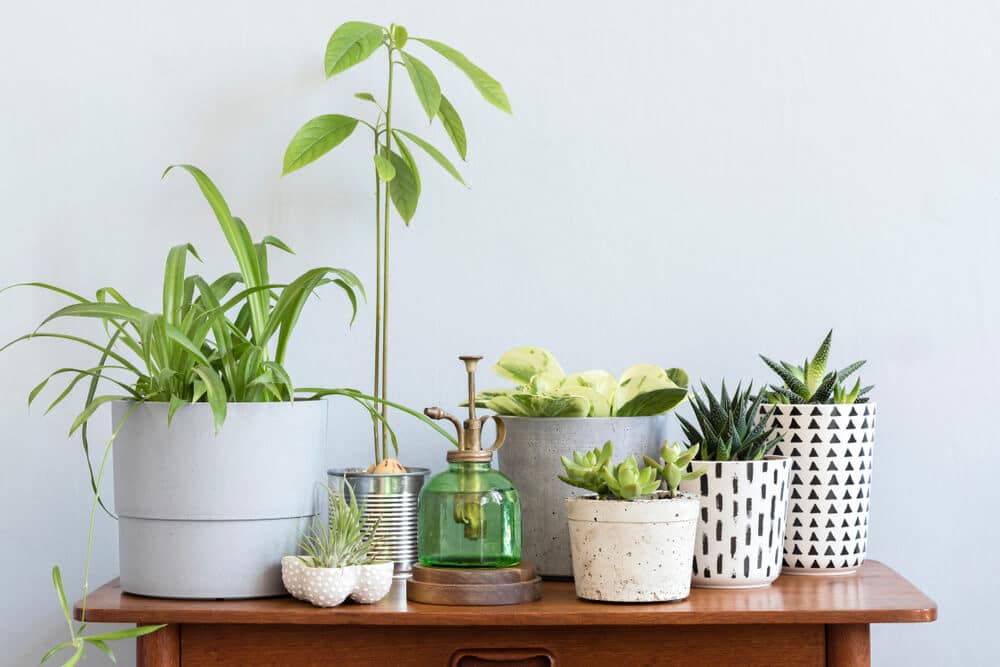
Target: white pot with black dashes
[[741, 522]]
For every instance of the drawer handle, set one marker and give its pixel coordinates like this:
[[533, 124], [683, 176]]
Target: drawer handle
[[502, 657]]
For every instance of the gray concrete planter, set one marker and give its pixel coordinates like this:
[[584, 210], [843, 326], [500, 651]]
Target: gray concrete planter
[[530, 457], [210, 516]]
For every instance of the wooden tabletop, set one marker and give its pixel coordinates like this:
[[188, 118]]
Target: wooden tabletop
[[875, 594]]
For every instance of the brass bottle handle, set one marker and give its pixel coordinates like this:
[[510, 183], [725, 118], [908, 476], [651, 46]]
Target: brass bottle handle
[[501, 430]]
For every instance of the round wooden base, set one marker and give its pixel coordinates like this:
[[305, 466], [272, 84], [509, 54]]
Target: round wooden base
[[454, 586]]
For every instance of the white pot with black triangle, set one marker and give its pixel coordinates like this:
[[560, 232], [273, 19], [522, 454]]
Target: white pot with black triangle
[[830, 447]]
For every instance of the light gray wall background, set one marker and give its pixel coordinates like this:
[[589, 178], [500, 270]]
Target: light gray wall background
[[685, 183]]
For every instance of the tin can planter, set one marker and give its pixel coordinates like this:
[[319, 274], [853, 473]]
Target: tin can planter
[[391, 500], [830, 447], [632, 551], [741, 522], [530, 458], [206, 515]]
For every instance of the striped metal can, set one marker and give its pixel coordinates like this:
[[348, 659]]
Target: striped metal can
[[391, 500]]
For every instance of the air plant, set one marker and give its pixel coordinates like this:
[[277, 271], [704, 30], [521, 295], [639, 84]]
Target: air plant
[[343, 540]]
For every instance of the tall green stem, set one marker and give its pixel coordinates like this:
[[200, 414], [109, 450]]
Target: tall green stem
[[378, 298], [385, 263]]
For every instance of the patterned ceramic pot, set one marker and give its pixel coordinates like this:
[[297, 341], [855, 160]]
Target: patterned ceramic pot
[[632, 551], [741, 525], [830, 447]]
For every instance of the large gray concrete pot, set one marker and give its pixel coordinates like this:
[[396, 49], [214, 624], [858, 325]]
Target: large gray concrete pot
[[210, 516], [530, 457]]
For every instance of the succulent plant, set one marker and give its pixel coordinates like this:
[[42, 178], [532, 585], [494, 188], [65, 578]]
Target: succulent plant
[[626, 481], [728, 428], [675, 460], [342, 541], [544, 390], [584, 470], [810, 383]]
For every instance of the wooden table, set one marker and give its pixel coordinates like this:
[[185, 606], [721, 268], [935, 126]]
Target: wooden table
[[798, 621]]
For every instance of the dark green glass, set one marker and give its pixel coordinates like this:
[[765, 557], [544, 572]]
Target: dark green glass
[[470, 516]]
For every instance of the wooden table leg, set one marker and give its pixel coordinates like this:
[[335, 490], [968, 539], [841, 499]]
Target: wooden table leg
[[848, 645], [159, 649]]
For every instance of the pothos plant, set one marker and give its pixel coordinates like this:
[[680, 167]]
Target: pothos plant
[[217, 342], [395, 173], [544, 390]]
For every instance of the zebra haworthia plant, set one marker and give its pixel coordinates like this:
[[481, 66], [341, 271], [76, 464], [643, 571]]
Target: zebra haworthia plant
[[544, 390], [811, 383], [208, 345], [728, 429], [395, 173]]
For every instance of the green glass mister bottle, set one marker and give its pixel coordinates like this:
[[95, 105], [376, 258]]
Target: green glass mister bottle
[[470, 514]]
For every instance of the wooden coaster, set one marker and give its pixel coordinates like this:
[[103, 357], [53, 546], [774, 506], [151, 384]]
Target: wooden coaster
[[501, 586]]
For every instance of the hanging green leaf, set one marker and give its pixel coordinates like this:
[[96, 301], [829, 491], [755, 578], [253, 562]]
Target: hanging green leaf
[[367, 97], [453, 125], [488, 87], [386, 172], [405, 189], [350, 44], [317, 138], [399, 36], [424, 83], [434, 153]]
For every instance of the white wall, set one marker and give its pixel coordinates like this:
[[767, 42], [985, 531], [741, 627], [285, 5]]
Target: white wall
[[686, 183]]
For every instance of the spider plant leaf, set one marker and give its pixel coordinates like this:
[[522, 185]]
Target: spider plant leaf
[[425, 84], [84, 373], [55, 649], [173, 282], [351, 43], [317, 138], [46, 286], [386, 172], [405, 187], [214, 392], [127, 633], [239, 242], [452, 123], [60, 592], [176, 402], [437, 155], [102, 647], [75, 658], [91, 407], [488, 87], [103, 311], [281, 376]]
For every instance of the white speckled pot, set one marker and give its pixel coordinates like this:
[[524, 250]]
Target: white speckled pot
[[374, 582], [330, 586], [741, 529], [632, 551]]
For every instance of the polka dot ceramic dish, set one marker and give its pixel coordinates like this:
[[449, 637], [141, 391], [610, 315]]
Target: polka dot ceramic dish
[[329, 587]]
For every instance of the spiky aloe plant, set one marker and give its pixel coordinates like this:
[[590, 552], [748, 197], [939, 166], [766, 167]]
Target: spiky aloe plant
[[811, 383], [728, 428], [671, 467]]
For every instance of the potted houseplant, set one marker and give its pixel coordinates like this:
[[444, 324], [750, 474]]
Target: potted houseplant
[[335, 558], [630, 541], [389, 489], [828, 431], [744, 495], [204, 511], [549, 414]]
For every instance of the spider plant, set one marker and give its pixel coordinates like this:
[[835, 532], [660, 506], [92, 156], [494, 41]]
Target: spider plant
[[395, 173], [217, 342]]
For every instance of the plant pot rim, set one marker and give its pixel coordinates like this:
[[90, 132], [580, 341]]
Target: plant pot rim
[[581, 419], [769, 457], [819, 405], [130, 401], [661, 496], [360, 472]]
